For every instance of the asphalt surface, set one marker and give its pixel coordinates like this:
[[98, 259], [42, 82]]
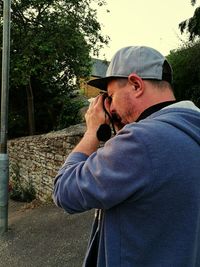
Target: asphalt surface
[[43, 235]]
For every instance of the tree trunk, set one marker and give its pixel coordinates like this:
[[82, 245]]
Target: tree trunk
[[30, 105]]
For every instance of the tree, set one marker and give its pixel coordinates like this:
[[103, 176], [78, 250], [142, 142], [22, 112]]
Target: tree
[[193, 2], [185, 62], [51, 44], [192, 25]]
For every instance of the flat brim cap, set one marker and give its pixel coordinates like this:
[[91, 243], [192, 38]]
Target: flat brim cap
[[144, 61], [102, 83]]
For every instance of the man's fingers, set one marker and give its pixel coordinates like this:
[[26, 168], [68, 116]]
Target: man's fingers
[[94, 100]]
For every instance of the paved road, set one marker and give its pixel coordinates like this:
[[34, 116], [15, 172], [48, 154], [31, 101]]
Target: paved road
[[44, 236]]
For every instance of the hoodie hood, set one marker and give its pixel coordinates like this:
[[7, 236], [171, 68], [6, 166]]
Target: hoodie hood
[[183, 115]]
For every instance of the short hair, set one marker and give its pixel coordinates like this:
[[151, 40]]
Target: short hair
[[122, 81], [156, 83], [161, 84]]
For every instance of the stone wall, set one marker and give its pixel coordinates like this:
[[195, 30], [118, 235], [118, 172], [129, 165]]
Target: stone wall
[[38, 158]]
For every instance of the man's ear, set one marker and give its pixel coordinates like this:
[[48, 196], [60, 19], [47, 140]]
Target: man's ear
[[137, 82]]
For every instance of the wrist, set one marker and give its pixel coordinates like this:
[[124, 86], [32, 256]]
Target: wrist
[[90, 133]]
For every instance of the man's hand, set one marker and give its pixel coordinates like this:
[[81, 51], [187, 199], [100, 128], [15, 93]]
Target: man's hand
[[95, 116]]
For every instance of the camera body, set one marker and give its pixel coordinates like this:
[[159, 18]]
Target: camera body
[[104, 131], [114, 117]]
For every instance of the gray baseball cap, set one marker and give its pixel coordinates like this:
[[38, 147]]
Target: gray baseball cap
[[144, 61]]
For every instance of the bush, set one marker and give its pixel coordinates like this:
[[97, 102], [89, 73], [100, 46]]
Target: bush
[[70, 113], [19, 191]]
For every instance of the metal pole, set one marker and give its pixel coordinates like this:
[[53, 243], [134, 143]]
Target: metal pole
[[3, 193], [4, 166]]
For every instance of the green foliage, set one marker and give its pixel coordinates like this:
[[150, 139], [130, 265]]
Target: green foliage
[[186, 67], [21, 192], [70, 114], [192, 25], [185, 61], [51, 44], [193, 2]]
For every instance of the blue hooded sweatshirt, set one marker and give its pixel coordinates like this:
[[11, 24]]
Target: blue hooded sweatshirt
[[145, 182]]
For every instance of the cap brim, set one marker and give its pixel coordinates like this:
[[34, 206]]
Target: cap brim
[[102, 83]]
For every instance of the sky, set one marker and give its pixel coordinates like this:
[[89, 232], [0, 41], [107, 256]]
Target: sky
[[152, 23]]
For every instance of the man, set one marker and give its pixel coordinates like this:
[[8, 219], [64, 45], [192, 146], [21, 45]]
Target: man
[[145, 181]]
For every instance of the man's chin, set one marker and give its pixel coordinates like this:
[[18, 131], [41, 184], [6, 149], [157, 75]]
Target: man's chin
[[117, 120], [119, 125]]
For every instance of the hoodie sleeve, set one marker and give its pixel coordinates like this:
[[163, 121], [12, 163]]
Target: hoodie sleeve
[[116, 172]]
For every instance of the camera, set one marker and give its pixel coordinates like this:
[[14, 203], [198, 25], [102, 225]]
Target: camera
[[105, 131]]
